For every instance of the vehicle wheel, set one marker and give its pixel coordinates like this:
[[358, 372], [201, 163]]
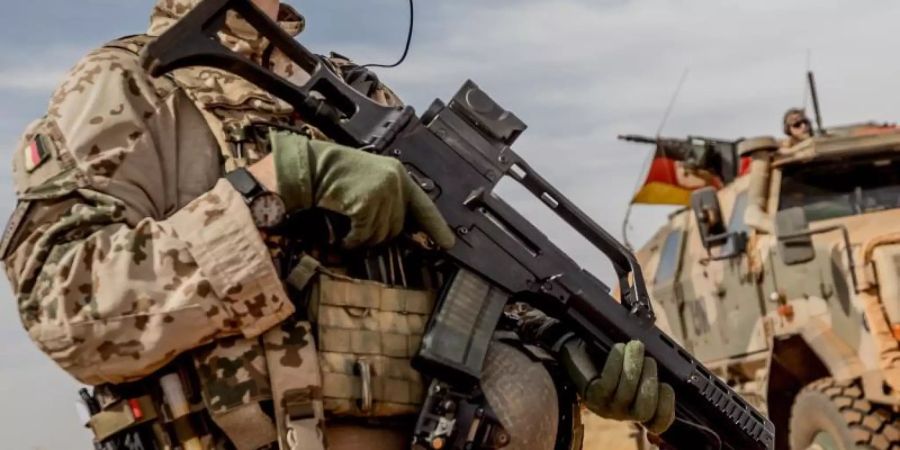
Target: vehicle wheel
[[832, 415]]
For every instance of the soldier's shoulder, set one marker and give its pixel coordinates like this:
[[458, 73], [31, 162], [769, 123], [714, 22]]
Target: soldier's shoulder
[[112, 70], [101, 107], [133, 44]]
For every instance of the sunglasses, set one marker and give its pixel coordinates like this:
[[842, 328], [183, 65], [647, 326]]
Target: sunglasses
[[799, 124]]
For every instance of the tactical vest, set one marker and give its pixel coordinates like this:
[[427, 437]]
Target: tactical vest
[[367, 331]]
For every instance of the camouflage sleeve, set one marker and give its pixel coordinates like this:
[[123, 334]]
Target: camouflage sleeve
[[134, 250]]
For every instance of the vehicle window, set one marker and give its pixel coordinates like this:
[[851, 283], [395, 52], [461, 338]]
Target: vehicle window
[[668, 260], [736, 222], [848, 187]]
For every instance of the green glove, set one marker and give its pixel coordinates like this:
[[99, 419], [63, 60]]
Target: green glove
[[626, 389], [374, 192]]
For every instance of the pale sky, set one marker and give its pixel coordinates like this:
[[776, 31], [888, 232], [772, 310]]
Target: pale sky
[[578, 72]]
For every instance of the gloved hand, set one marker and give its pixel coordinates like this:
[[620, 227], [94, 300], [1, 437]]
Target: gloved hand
[[626, 389], [374, 192]]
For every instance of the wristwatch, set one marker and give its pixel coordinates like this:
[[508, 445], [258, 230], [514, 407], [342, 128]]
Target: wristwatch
[[266, 207]]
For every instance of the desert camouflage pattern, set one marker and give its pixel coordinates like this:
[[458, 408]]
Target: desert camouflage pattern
[[175, 245], [234, 380], [768, 327], [227, 102], [127, 248]]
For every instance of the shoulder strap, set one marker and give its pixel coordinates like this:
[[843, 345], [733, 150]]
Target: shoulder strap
[[296, 378], [131, 44], [134, 44]]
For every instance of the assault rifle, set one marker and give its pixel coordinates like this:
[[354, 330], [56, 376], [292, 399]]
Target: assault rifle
[[457, 152], [717, 156]]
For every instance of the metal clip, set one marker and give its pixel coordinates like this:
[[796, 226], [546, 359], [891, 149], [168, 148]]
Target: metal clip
[[237, 135], [364, 368]]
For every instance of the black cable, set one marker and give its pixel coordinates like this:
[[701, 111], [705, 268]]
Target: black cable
[[412, 19]]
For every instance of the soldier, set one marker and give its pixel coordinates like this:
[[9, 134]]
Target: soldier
[[797, 127], [151, 256]]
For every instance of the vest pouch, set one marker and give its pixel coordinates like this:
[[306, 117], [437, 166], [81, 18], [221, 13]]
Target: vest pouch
[[127, 419], [368, 332], [135, 415]]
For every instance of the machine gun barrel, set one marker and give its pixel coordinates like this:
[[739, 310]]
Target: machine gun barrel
[[679, 146], [638, 139], [458, 152]]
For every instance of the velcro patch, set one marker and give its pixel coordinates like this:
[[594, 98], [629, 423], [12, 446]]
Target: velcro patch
[[37, 152]]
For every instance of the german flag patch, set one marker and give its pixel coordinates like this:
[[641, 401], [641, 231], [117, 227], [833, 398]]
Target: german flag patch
[[37, 152]]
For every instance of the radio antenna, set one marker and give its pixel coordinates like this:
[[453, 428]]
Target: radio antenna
[[805, 82], [672, 101]]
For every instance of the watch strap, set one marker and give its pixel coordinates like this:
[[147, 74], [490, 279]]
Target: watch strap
[[245, 183]]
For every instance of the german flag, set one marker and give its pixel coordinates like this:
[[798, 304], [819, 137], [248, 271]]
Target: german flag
[[670, 182]]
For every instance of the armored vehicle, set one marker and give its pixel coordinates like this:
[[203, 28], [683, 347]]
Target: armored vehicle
[[786, 282]]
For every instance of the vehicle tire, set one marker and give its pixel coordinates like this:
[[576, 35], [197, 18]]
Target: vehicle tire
[[833, 415]]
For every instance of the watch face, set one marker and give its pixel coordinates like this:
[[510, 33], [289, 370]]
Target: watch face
[[268, 210]]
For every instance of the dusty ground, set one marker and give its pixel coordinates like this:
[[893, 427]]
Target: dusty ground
[[602, 434]]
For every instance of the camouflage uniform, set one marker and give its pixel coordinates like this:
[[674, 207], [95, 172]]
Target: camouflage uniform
[[128, 249]]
